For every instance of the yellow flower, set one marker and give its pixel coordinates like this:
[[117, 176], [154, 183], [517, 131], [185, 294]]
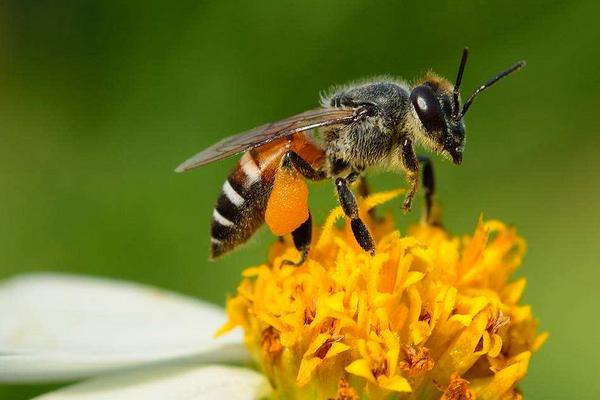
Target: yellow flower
[[430, 316]]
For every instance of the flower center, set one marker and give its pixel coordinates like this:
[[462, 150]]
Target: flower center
[[430, 316]]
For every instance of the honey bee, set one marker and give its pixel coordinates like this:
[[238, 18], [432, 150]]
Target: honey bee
[[358, 127]]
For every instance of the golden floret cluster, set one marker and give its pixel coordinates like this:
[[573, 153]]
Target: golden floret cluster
[[430, 316]]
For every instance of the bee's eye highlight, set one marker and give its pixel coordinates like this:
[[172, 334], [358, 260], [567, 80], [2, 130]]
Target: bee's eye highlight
[[428, 109]]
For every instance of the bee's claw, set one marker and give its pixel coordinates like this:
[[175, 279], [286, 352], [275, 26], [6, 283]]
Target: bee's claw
[[296, 263], [407, 205], [301, 236]]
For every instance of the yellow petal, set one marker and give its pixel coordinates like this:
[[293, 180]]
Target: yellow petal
[[326, 232], [361, 368], [459, 355], [419, 332], [513, 291], [485, 342], [469, 308], [380, 198], [505, 379], [316, 343], [539, 341], [307, 366], [395, 383], [336, 348], [412, 278], [496, 346], [520, 314]]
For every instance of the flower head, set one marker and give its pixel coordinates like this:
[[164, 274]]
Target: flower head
[[429, 316]]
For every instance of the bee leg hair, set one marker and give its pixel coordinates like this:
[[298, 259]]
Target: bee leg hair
[[348, 203], [411, 169], [432, 214]]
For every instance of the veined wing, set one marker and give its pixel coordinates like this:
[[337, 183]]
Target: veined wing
[[266, 133]]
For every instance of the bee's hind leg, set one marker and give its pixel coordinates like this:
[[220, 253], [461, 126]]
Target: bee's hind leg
[[291, 159], [431, 216], [302, 237], [363, 187], [348, 203]]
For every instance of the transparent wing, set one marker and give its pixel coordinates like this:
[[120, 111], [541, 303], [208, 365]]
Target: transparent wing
[[266, 133]]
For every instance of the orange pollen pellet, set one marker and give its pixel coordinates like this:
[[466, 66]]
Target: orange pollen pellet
[[287, 207]]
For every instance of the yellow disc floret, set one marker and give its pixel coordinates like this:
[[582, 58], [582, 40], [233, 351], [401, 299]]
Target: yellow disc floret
[[430, 316]]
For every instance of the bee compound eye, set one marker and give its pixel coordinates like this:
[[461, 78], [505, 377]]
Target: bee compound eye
[[428, 108], [422, 104]]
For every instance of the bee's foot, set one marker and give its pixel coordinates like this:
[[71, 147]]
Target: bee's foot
[[407, 206], [296, 263]]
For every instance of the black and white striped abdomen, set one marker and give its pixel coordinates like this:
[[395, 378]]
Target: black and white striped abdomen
[[240, 208]]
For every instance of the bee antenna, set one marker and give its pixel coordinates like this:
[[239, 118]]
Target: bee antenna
[[461, 70], [487, 84]]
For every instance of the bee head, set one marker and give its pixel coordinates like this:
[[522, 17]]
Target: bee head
[[436, 103]]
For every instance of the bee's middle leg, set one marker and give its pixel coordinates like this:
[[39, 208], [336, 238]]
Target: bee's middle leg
[[348, 203], [411, 168], [363, 187]]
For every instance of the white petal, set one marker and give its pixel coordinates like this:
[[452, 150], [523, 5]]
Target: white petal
[[60, 327], [183, 382]]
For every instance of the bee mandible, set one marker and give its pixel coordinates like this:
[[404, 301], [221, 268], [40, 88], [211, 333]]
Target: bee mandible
[[358, 127]]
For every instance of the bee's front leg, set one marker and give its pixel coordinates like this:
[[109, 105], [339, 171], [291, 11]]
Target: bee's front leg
[[362, 188], [348, 203], [410, 165]]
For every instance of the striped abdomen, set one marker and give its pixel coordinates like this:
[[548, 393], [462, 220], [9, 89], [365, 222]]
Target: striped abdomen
[[241, 206]]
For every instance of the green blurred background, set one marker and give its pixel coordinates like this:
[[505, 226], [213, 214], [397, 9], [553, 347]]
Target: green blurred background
[[99, 101]]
